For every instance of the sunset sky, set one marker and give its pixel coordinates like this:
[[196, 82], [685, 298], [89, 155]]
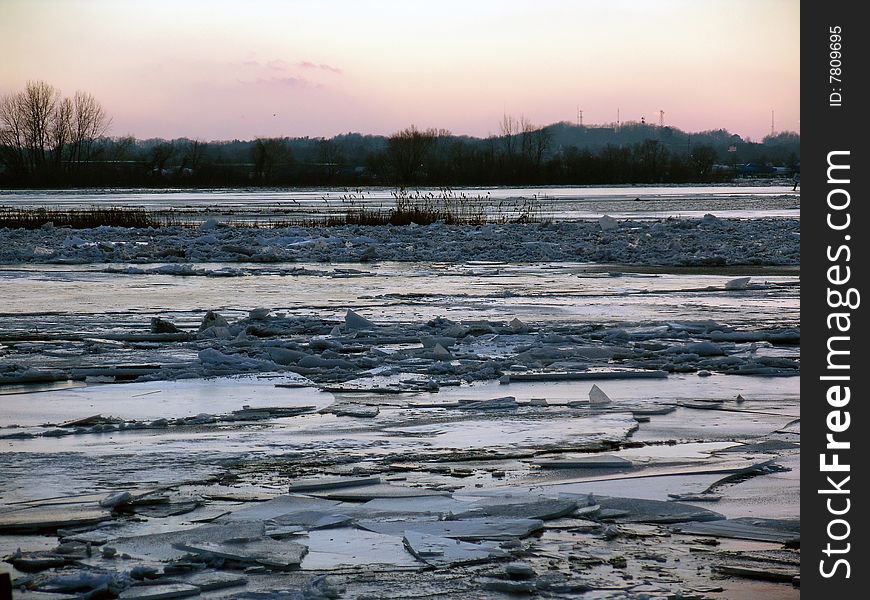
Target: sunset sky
[[220, 70]]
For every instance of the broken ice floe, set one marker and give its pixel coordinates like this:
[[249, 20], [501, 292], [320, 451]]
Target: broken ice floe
[[275, 554], [445, 552], [433, 353]]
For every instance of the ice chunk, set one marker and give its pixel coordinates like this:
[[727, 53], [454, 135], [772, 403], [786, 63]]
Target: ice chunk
[[164, 546], [310, 520], [210, 224], [348, 546], [510, 587], [761, 530], [217, 360], [159, 591], [327, 483], [465, 529], [285, 356], [212, 319], [213, 580], [510, 507], [258, 314], [270, 553], [353, 320], [75, 241], [430, 341], [738, 284], [37, 561], [517, 326], [335, 332], [280, 532], [608, 223], [690, 497], [764, 574], [116, 500], [597, 397], [51, 518], [442, 552], [353, 409], [597, 461], [311, 361], [441, 353], [635, 510], [323, 586], [284, 507], [160, 325], [519, 570], [503, 403], [80, 581]]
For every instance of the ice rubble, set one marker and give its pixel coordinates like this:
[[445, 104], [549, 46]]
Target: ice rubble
[[666, 242], [384, 531], [360, 354], [377, 518]]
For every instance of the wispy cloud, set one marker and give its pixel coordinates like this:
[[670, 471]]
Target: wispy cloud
[[288, 82], [282, 66], [323, 67]]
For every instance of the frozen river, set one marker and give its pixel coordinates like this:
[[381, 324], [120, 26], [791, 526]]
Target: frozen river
[[403, 382], [246, 205]]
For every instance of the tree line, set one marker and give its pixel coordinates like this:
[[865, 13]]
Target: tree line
[[47, 140]]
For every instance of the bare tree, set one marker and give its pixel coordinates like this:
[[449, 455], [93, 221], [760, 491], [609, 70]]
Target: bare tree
[[268, 153], [13, 138], [526, 129], [330, 156], [159, 155], [120, 149], [61, 128], [541, 138], [89, 122], [407, 149], [193, 153], [524, 143], [702, 159], [509, 127], [39, 103]]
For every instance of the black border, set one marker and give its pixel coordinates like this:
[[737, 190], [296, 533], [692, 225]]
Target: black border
[[826, 128]]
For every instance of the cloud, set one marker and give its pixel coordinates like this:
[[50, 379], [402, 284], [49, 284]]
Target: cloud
[[282, 66], [323, 67], [277, 64], [289, 82]]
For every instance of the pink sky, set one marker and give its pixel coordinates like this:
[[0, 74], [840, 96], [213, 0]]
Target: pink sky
[[222, 70]]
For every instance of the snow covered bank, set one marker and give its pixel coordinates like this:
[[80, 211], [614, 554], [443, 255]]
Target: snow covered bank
[[709, 241]]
